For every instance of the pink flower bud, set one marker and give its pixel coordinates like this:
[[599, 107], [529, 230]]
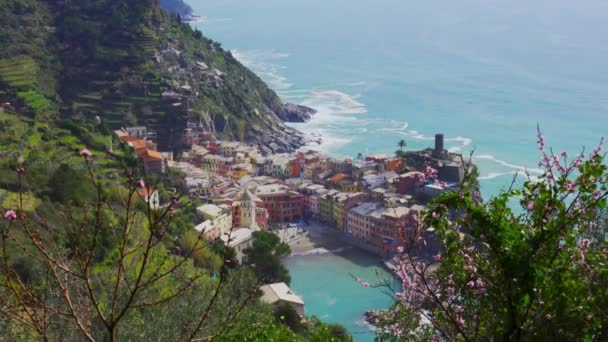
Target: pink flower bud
[[531, 206], [400, 249], [85, 152], [459, 309], [10, 215], [365, 284], [471, 284], [141, 183], [437, 258]]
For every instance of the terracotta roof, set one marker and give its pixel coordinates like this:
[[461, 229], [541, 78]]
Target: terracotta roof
[[128, 138], [339, 177], [143, 192], [137, 144], [154, 154]]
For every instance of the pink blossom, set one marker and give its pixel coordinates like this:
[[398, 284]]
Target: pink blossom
[[365, 284], [597, 193], [400, 249], [399, 294], [435, 215], [20, 170], [548, 317], [437, 258], [585, 243], [531, 206], [358, 280], [10, 215], [564, 154], [459, 309], [471, 284], [471, 249], [85, 152], [141, 183], [460, 320], [480, 283], [569, 186]]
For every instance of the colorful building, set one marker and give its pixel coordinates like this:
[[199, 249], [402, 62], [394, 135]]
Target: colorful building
[[219, 215], [282, 203]]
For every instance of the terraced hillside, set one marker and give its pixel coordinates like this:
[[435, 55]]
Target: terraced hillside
[[130, 63]]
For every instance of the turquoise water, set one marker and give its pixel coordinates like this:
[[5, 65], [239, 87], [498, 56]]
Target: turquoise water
[[484, 72], [330, 293]]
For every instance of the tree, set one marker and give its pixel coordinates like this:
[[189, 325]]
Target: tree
[[66, 291], [265, 257], [402, 144], [537, 272], [70, 186]]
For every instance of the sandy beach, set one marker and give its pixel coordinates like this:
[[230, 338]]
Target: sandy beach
[[319, 236]]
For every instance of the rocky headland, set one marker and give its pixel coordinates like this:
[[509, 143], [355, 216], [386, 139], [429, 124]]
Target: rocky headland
[[290, 112]]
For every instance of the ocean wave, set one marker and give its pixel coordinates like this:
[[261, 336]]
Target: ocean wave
[[263, 62], [509, 165], [365, 324], [402, 127], [321, 251], [334, 102]]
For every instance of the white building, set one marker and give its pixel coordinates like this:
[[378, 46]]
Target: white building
[[279, 293], [240, 239], [221, 216]]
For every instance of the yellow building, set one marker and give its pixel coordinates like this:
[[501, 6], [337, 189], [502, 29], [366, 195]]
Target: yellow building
[[326, 206]]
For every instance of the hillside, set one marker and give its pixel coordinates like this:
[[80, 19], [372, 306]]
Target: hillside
[[177, 7], [131, 63]]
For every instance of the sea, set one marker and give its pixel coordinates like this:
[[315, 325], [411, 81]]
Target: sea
[[486, 73]]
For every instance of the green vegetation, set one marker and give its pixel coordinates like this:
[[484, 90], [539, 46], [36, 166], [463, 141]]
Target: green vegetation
[[63, 63], [265, 257], [528, 265], [114, 59], [177, 7]]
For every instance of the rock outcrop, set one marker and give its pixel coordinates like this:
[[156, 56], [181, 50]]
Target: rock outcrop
[[290, 112]]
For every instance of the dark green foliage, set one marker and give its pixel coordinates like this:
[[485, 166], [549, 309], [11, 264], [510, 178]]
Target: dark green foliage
[[265, 257], [286, 314], [178, 7], [68, 185]]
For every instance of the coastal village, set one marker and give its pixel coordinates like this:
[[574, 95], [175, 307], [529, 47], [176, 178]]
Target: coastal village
[[371, 201]]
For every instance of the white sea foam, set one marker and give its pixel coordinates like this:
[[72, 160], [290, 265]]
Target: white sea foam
[[265, 64], [509, 165], [321, 251], [365, 324]]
